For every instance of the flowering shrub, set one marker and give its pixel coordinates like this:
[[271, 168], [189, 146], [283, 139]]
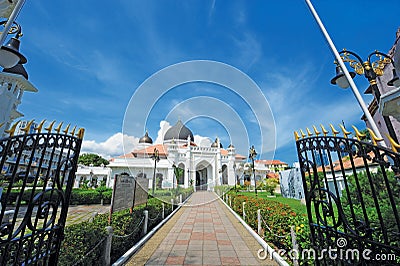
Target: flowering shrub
[[278, 217]]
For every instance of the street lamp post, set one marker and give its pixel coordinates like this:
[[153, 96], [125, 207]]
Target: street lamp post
[[252, 155], [156, 158], [370, 70]]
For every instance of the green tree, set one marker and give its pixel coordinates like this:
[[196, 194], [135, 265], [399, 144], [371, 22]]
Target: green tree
[[92, 159]]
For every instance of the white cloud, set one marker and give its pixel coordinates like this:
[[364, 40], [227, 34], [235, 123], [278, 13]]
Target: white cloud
[[115, 145], [164, 126], [202, 141]]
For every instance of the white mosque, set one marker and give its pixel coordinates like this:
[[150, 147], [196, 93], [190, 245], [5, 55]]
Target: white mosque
[[180, 162]]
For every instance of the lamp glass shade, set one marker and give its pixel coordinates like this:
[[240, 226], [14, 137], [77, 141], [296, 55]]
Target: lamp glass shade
[[340, 78], [8, 59], [342, 82]]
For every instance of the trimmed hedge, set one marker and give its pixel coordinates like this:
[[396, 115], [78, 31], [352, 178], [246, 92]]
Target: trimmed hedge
[[82, 238], [78, 196]]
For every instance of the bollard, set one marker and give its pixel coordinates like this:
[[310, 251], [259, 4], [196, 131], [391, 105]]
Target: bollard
[[230, 202], [259, 222], [172, 204], [107, 255], [244, 213], [294, 244], [102, 202], [180, 199], [163, 210], [94, 214], [146, 220]]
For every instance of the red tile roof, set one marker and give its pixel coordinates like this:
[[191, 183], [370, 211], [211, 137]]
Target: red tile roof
[[270, 162]]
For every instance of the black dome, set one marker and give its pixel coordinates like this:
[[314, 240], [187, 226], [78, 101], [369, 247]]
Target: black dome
[[215, 144], [178, 131], [146, 139], [231, 146]]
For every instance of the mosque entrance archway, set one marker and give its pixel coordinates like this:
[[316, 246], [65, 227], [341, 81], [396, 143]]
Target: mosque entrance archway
[[202, 176]]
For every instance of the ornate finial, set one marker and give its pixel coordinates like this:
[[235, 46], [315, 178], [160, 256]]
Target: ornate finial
[[58, 129], [303, 135], [296, 136], [393, 143], [39, 127], [309, 133], [345, 132], [374, 138], [50, 127], [27, 127], [324, 131], [66, 129], [360, 136], [11, 131], [316, 131], [73, 131], [80, 133], [334, 131]]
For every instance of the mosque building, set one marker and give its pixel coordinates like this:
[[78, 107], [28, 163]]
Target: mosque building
[[179, 161]]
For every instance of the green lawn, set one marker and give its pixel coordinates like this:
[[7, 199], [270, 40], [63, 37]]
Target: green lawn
[[293, 203]]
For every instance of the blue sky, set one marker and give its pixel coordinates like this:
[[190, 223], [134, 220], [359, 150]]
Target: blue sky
[[88, 59]]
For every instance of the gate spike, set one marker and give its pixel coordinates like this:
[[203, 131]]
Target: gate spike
[[66, 129], [374, 138], [360, 136], [296, 136], [309, 132], [39, 127], [50, 127], [73, 131], [393, 143], [345, 132], [302, 133], [80, 133], [324, 131], [316, 131], [334, 131], [11, 131], [58, 129], [27, 127]]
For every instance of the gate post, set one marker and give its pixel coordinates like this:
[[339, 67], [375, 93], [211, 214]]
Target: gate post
[[163, 210], [259, 221]]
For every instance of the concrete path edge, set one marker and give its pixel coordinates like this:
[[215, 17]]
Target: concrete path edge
[[142, 241], [261, 241]]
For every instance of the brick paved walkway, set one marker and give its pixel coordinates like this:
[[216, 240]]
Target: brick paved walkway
[[203, 232]]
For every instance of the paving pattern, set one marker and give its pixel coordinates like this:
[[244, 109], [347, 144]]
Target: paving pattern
[[203, 233]]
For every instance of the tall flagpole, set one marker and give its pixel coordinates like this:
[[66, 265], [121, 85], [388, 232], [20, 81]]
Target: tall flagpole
[[347, 74]]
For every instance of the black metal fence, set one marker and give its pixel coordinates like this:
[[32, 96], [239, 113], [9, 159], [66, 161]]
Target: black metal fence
[[352, 192], [37, 172]]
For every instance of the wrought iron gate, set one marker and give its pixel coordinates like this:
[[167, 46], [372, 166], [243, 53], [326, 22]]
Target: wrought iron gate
[[37, 172], [352, 193]]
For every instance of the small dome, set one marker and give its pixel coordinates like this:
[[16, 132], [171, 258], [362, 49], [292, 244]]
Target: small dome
[[146, 139], [231, 146], [178, 132], [215, 144]]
